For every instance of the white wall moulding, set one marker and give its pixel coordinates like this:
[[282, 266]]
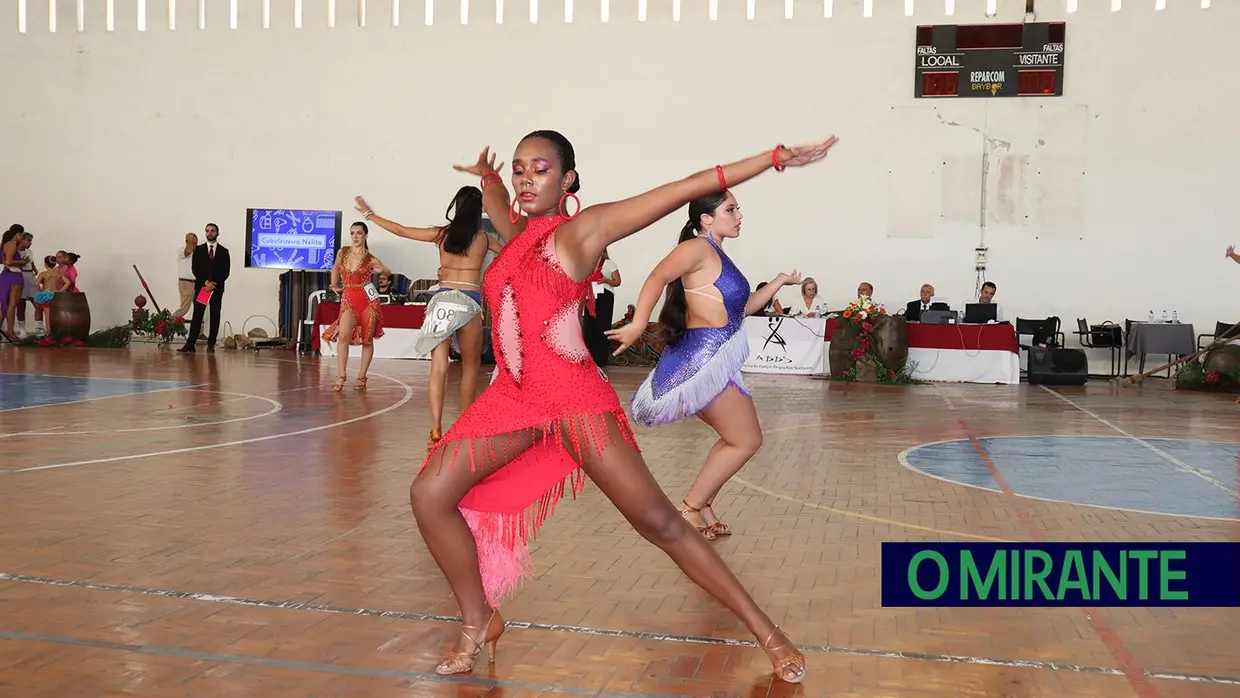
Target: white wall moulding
[[914, 10]]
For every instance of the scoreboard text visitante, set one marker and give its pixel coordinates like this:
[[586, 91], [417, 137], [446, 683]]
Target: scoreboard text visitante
[[990, 60]]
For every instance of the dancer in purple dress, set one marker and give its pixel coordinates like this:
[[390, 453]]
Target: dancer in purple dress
[[699, 372]]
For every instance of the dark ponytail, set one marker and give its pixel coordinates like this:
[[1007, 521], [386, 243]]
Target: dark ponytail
[[675, 314], [463, 223]]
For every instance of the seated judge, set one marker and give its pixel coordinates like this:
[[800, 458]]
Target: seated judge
[[913, 310], [808, 303], [987, 297], [773, 306]]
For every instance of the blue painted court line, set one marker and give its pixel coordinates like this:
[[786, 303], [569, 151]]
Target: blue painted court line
[[22, 390], [1113, 472]]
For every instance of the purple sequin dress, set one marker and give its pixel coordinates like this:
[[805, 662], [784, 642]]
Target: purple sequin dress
[[9, 278], [700, 364]]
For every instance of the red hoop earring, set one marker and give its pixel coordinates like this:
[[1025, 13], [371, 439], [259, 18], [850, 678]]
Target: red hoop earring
[[563, 211], [514, 213]]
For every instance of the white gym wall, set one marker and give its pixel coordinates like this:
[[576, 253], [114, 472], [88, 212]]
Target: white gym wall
[[1117, 198]]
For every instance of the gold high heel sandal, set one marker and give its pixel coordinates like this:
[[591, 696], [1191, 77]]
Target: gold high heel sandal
[[338, 386], [718, 528], [360, 385], [463, 662], [704, 530], [796, 660]]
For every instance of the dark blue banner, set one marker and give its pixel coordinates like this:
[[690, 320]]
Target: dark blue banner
[[281, 238], [1061, 574]]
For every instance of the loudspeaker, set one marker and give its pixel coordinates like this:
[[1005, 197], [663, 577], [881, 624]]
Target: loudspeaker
[[1058, 366]]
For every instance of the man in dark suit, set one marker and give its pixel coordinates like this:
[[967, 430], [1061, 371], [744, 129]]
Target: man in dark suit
[[912, 312], [211, 265]]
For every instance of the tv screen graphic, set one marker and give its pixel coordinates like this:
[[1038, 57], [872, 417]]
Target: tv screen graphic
[[281, 238]]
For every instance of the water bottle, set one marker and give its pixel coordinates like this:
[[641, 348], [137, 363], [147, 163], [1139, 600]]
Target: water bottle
[[1151, 315], [1175, 317], [1165, 315]]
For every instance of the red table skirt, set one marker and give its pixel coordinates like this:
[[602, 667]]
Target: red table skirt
[[408, 317], [963, 337]]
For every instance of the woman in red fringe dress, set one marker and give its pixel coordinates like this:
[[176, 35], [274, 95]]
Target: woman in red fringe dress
[[549, 418], [360, 319]]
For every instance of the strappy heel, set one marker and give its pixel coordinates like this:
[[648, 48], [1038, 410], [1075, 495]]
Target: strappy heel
[[435, 437], [463, 662], [338, 386], [718, 528], [783, 666], [360, 385], [704, 530]]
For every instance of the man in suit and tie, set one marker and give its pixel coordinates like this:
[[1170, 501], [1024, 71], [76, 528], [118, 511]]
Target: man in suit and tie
[[913, 311], [211, 265]]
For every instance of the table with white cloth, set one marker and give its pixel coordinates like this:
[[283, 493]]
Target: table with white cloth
[[958, 353], [401, 328], [783, 344]]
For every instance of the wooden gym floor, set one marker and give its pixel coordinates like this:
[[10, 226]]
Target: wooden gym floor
[[224, 525]]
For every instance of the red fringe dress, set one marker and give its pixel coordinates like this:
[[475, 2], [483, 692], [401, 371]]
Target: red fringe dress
[[546, 385], [365, 309]]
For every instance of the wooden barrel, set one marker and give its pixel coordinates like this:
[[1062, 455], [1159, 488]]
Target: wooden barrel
[[70, 315], [891, 341], [844, 339], [1223, 359]]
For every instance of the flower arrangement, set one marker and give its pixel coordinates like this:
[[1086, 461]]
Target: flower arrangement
[[113, 338], [859, 319], [48, 341], [1219, 373], [161, 325]]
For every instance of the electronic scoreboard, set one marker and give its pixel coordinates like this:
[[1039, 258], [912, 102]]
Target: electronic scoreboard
[[990, 60]]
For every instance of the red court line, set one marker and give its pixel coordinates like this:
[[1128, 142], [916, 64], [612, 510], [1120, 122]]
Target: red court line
[[1128, 663]]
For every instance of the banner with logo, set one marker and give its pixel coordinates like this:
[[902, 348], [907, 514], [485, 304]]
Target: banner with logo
[[781, 344]]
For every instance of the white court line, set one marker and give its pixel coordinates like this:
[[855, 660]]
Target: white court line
[[408, 396], [276, 407], [102, 397], [1179, 464], [902, 459]]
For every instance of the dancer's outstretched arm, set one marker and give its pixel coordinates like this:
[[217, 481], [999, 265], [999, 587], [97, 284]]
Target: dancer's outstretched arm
[[686, 258], [419, 234], [601, 225], [758, 299], [495, 199]]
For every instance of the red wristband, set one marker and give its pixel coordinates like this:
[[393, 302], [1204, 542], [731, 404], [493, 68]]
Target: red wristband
[[723, 181], [775, 158], [491, 177]]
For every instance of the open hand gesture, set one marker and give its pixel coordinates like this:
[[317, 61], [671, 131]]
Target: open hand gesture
[[485, 164], [359, 203], [789, 279], [1231, 251], [797, 156], [626, 335]]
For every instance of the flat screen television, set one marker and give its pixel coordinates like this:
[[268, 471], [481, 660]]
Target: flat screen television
[[280, 238]]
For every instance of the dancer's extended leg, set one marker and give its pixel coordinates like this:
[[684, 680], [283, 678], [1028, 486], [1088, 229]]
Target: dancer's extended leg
[[368, 349], [438, 385], [470, 339], [344, 335], [434, 496], [733, 417], [623, 477]]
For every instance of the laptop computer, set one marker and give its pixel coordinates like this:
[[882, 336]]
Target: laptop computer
[[981, 313], [938, 317]]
